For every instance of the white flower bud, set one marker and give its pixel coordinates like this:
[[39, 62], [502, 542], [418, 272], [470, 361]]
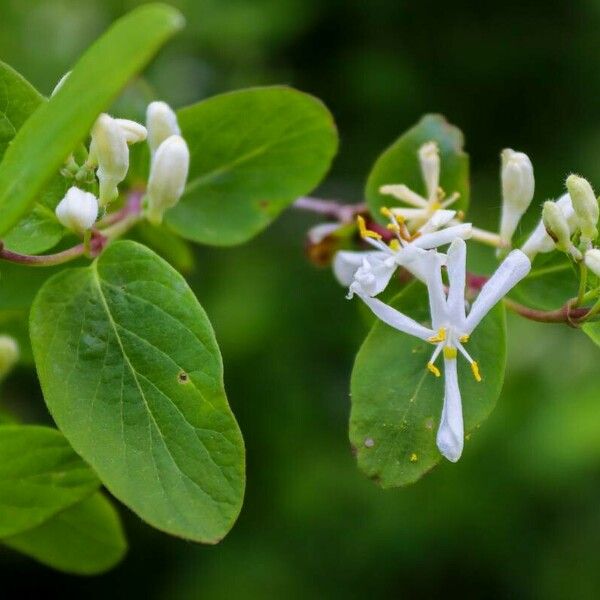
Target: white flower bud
[[109, 151], [557, 226], [161, 122], [133, 132], [592, 261], [518, 185], [429, 159], [167, 177], [585, 205], [9, 354], [78, 210]]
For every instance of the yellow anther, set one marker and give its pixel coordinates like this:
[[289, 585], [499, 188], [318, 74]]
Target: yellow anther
[[393, 227], [439, 337], [364, 232], [394, 245], [475, 369], [450, 352], [386, 212], [463, 339], [433, 369]]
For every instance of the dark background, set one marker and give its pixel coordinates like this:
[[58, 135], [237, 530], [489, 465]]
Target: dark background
[[519, 516]]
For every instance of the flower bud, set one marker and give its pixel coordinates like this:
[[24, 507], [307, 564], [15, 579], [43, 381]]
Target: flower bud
[[557, 227], [109, 151], [592, 261], [78, 210], [9, 354], [133, 132], [585, 205], [161, 122], [429, 159], [167, 177], [517, 190]]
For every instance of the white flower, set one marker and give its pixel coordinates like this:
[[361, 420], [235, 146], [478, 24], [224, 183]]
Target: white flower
[[161, 122], [585, 206], [109, 151], [539, 241], [373, 269], [78, 210], [168, 176], [518, 186], [422, 208], [451, 328], [558, 228], [592, 261], [133, 131]]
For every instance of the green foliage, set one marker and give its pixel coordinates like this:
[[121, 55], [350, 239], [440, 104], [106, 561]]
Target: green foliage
[[54, 130], [400, 164], [40, 476], [397, 403], [85, 539], [551, 282], [253, 152], [132, 374]]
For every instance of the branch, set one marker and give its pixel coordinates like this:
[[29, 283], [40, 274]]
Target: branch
[[565, 314]]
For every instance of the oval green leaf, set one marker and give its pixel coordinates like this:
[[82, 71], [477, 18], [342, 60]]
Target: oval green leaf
[[397, 403], [85, 539], [253, 152], [400, 164], [132, 374], [40, 475], [54, 130]]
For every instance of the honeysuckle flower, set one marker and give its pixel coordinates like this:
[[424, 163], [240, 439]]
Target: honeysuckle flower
[[518, 185], [161, 122], [451, 327], [422, 209], [592, 261], [374, 269], [78, 210], [109, 151], [585, 206], [133, 131], [539, 241], [558, 229], [168, 176]]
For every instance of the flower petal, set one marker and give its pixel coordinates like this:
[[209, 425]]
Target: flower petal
[[374, 275], [450, 435], [418, 261], [404, 193], [444, 236], [440, 218], [456, 264], [392, 317], [437, 297], [345, 264], [514, 268]]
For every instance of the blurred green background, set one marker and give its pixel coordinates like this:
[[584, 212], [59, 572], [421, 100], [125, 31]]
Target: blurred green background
[[519, 516]]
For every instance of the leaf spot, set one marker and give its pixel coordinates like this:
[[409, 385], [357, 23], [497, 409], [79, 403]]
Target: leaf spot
[[413, 457], [369, 442], [183, 377]]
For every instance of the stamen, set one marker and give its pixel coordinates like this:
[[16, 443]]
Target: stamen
[[435, 206], [364, 232], [395, 245], [450, 352], [440, 337], [450, 200], [463, 339], [393, 227], [475, 369], [433, 369], [386, 212]]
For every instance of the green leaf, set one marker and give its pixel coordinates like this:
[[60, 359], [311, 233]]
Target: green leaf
[[39, 230], [58, 126], [40, 475], [397, 403], [400, 164], [551, 282], [132, 374], [85, 539], [592, 330], [253, 152]]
